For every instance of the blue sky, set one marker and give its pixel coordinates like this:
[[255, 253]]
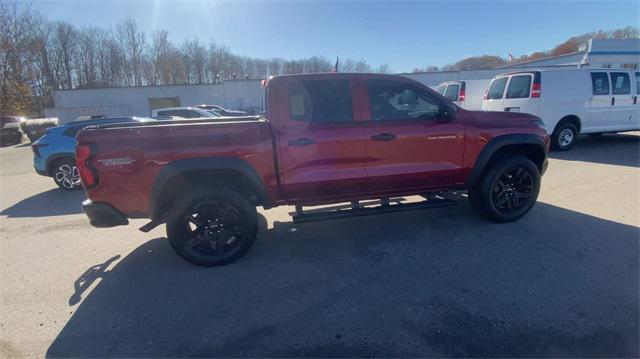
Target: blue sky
[[403, 34]]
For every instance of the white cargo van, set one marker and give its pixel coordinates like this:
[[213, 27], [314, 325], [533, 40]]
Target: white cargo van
[[466, 94], [570, 101]]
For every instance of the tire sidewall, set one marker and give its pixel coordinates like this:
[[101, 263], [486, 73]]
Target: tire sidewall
[[481, 197], [556, 136], [175, 220]]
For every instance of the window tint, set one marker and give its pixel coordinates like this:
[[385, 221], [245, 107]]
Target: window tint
[[321, 101], [440, 89], [396, 100], [600, 83], [620, 83], [72, 131], [187, 114], [497, 88], [637, 83], [452, 92], [519, 86]]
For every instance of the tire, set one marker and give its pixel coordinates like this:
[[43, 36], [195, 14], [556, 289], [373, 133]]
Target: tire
[[66, 175], [564, 136], [212, 227], [508, 190]]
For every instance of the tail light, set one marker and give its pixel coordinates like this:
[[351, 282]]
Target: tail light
[[461, 95], [84, 154], [535, 90], [36, 148]]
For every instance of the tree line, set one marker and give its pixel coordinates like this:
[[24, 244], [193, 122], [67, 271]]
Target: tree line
[[569, 46], [38, 56]]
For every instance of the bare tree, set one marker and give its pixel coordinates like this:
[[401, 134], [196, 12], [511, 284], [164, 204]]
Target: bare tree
[[132, 42]]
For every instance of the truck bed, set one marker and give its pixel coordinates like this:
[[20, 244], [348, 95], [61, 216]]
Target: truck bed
[[136, 153]]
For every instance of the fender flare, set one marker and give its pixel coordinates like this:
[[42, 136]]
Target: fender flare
[[206, 163], [496, 144]]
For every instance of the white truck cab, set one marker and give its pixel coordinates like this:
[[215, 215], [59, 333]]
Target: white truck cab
[[570, 101]]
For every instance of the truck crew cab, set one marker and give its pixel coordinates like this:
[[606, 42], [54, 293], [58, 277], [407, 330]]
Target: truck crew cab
[[325, 138]]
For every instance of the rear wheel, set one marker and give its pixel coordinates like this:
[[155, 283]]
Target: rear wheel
[[508, 190], [212, 228], [66, 175], [564, 136]]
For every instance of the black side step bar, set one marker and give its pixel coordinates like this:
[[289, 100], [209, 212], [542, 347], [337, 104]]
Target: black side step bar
[[356, 211]]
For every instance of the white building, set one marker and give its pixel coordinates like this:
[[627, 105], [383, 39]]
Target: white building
[[139, 101]]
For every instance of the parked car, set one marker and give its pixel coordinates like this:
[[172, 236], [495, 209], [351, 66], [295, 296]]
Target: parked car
[[183, 112], [10, 130], [570, 101], [223, 111], [466, 94], [37, 127], [54, 152], [326, 138]]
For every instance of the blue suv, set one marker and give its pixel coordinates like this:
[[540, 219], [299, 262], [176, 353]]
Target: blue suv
[[54, 153]]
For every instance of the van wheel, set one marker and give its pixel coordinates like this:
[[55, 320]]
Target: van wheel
[[508, 190], [212, 228], [564, 136], [66, 175]]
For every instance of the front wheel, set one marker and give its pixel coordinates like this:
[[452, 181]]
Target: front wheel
[[66, 175], [212, 228], [508, 190]]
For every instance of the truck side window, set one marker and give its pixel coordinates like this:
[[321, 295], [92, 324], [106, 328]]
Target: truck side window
[[600, 83], [321, 101], [496, 90], [620, 83], [396, 100], [519, 86]]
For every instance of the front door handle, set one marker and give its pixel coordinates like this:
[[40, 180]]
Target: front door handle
[[635, 99], [303, 141], [383, 137], [613, 101]]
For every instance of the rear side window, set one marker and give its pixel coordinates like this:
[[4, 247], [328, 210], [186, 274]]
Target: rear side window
[[600, 83], [620, 83], [321, 101], [452, 92], [497, 88], [519, 86], [440, 89]]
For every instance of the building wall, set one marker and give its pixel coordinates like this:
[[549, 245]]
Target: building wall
[[134, 101]]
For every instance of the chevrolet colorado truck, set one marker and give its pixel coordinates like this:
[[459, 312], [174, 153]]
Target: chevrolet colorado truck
[[324, 139]]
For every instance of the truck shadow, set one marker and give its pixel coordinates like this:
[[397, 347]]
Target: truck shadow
[[54, 202], [421, 283], [611, 149]]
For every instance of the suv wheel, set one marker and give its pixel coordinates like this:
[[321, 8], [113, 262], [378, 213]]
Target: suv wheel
[[212, 228], [66, 175], [564, 136], [508, 190]]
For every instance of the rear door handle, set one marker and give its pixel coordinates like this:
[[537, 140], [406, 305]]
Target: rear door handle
[[383, 137], [635, 99], [303, 141], [613, 101]]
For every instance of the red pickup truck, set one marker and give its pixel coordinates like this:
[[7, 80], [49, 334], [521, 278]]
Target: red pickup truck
[[324, 138]]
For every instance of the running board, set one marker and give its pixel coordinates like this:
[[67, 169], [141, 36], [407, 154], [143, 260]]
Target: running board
[[355, 211]]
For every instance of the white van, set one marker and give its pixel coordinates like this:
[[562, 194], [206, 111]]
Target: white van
[[466, 94], [570, 101]]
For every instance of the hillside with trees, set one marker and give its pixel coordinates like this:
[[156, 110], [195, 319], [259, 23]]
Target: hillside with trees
[[569, 46]]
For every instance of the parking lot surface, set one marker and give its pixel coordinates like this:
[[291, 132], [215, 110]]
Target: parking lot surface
[[562, 281]]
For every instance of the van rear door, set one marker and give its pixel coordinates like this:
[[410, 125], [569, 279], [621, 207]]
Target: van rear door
[[519, 96]]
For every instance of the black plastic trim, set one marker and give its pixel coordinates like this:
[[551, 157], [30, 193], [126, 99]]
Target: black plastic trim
[[494, 145], [206, 163], [103, 215]]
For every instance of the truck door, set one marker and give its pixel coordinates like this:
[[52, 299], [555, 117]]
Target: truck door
[[624, 113], [321, 146], [600, 103], [409, 146]]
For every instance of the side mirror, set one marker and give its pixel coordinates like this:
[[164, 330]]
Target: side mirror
[[448, 112]]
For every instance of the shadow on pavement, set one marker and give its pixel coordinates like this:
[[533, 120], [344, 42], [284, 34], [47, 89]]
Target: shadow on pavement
[[54, 202], [611, 149], [422, 283]]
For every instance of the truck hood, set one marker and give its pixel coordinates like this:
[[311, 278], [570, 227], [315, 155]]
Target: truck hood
[[496, 119]]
